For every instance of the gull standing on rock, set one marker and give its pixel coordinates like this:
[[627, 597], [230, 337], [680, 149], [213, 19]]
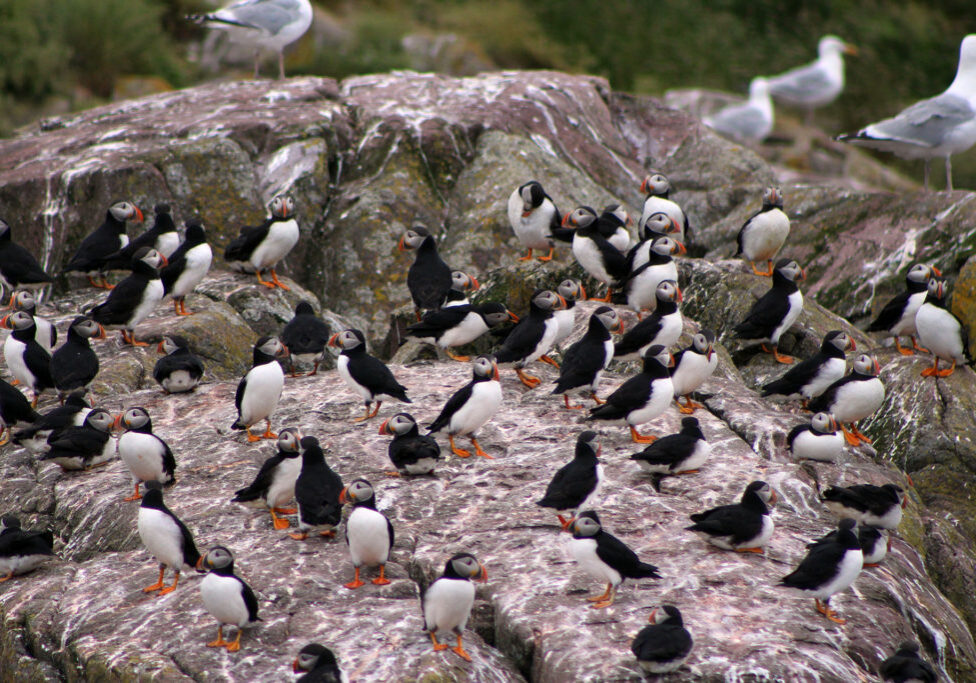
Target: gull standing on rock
[[816, 84], [749, 121]]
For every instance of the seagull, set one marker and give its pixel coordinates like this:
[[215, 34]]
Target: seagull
[[937, 127], [748, 121], [265, 24], [816, 84]]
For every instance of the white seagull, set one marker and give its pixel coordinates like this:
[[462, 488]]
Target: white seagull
[[937, 127], [263, 24], [747, 121], [816, 84]]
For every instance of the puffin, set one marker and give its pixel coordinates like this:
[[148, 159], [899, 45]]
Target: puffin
[[317, 492], [811, 377], [15, 412], [880, 506], [941, 331], [585, 361], [665, 644], [26, 359], [84, 447], [764, 232], [461, 284], [410, 451], [318, 663], [364, 374], [274, 485], [71, 414], [681, 453], [306, 336], [819, 440], [571, 291], [428, 278], [776, 311], [162, 236], [166, 538], [106, 240], [744, 527], [147, 456], [648, 271], [447, 602], [853, 397], [22, 551], [657, 189], [188, 264], [692, 366], [132, 300], [662, 327], [74, 364], [906, 666], [259, 390], [533, 215], [227, 597], [369, 533], [19, 270], [179, 370], [605, 557], [471, 406], [46, 334], [594, 252], [897, 318], [614, 224], [657, 225], [533, 337], [576, 483], [829, 567], [259, 248], [643, 397], [458, 325], [873, 542]]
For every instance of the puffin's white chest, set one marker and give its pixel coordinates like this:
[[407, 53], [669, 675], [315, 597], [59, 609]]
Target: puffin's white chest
[[565, 322], [847, 571], [161, 536], [588, 255], [263, 390], [167, 243], [764, 235], [282, 489], [940, 332], [856, 400], [795, 301], [531, 230], [831, 371], [143, 455], [13, 354], [692, 371], [906, 323], [660, 394], [368, 536], [447, 605], [342, 366], [470, 328], [822, 447], [642, 289], [481, 406], [281, 238], [151, 295], [198, 261], [583, 551], [223, 596], [546, 342]]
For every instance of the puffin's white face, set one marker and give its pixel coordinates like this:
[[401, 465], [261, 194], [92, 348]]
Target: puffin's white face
[[282, 206], [273, 347], [791, 270], [24, 301], [359, 490], [823, 423], [772, 196], [610, 318], [124, 211], [661, 354], [702, 344], [306, 661], [289, 440], [580, 217], [88, 328], [660, 223], [467, 566], [570, 290], [920, 272], [843, 342], [414, 237], [937, 288], [764, 491], [668, 290], [134, 418], [168, 345], [659, 616], [400, 424], [218, 557], [656, 184], [549, 301], [19, 320], [100, 419], [586, 527], [153, 259], [462, 281], [485, 366], [346, 340], [867, 365], [665, 246], [497, 317]]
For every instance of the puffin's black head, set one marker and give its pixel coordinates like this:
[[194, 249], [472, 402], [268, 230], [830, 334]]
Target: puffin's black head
[[348, 340], [689, 423], [908, 648], [616, 214], [586, 525], [282, 206], [664, 245], [532, 196], [547, 300], [135, 420], [9, 523], [867, 366], [610, 318], [666, 614], [314, 656], [153, 495], [656, 185], [161, 208], [289, 441], [840, 340], [763, 490], [485, 368], [772, 197], [359, 492], [465, 566], [495, 313], [586, 444], [87, 328], [413, 238], [125, 211], [823, 423], [23, 301], [461, 281], [172, 342], [657, 355], [77, 399], [580, 217], [846, 524], [668, 291], [269, 348], [18, 320], [789, 270], [219, 560], [100, 420], [147, 256], [571, 290], [195, 234], [310, 443], [896, 494], [304, 308], [704, 343], [922, 273], [399, 425]]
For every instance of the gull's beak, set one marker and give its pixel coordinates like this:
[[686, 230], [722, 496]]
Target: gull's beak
[[850, 50]]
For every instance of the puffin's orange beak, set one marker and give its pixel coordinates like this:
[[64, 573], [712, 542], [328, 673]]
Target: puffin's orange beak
[[670, 360], [333, 338], [474, 284], [562, 303], [402, 245], [494, 375], [833, 424], [773, 497], [653, 613], [483, 577], [101, 333], [526, 214], [681, 297], [514, 318], [682, 249], [582, 292], [294, 666], [139, 217], [644, 185], [709, 352], [620, 326], [675, 228], [165, 260], [343, 497], [938, 273], [877, 367], [5, 322], [117, 422], [565, 220], [159, 347], [383, 427]]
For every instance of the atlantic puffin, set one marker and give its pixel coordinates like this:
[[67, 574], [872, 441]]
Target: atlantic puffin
[[571, 291], [533, 215], [576, 483], [132, 300], [594, 252], [179, 370], [147, 456], [657, 188], [318, 663], [533, 336], [368, 532], [611, 225], [306, 336], [260, 248], [744, 527], [19, 270], [15, 411], [27, 360], [162, 236], [447, 602], [645, 274], [71, 414], [259, 390], [665, 644], [829, 567], [941, 331], [906, 666], [106, 240], [692, 366], [46, 334], [811, 377], [22, 551], [662, 327], [461, 284], [364, 374], [605, 557], [410, 451], [853, 397], [897, 318], [873, 541], [681, 453], [820, 439], [227, 597], [776, 311], [764, 232], [458, 325], [880, 506], [428, 278], [318, 491], [643, 397], [84, 447], [166, 538], [614, 223], [471, 406], [188, 264], [584, 362], [274, 485], [657, 225], [74, 364]]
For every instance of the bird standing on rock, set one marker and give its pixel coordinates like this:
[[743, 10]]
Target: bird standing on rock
[[274, 485], [46, 334], [811, 377], [776, 311], [132, 300], [853, 397], [643, 397], [18, 267], [260, 248], [188, 264], [364, 374], [410, 451], [306, 336], [147, 456], [27, 360], [593, 251], [816, 84], [162, 237], [750, 121], [429, 279], [657, 190], [166, 538], [106, 240], [577, 482], [227, 597], [368, 532], [259, 390], [649, 267], [662, 327], [571, 291], [317, 492], [471, 406], [533, 215], [897, 318], [585, 361], [880, 506], [692, 366], [74, 365], [681, 453], [447, 602], [941, 331], [458, 325], [533, 337], [764, 233]]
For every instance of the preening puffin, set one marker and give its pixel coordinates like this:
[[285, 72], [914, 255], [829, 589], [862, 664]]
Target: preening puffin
[[458, 325], [274, 485], [897, 318], [577, 482], [593, 251], [179, 370]]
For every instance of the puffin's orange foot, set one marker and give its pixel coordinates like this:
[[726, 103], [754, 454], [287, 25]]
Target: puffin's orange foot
[[280, 523], [548, 257], [569, 406], [460, 359], [352, 585], [460, 650], [637, 437], [758, 551], [300, 536], [527, 257], [850, 438], [380, 581], [220, 642]]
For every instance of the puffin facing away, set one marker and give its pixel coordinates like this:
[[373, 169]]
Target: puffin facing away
[[410, 451], [259, 390], [74, 365], [305, 335], [18, 267], [471, 406], [664, 645], [133, 299], [643, 397], [162, 237], [576, 482], [15, 412], [368, 532], [941, 331], [317, 492], [166, 538], [260, 248], [853, 397], [22, 551], [764, 233], [365, 375], [429, 279], [811, 377], [319, 664], [274, 485], [227, 597], [447, 602], [776, 311], [897, 318], [106, 240], [179, 370], [744, 527], [533, 215], [906, 666]]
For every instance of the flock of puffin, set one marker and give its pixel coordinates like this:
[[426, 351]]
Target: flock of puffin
[[640, 274]]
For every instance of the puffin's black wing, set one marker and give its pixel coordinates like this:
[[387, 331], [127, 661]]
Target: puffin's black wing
[[121, 301], [522, 340], [167, 365], [412, 449], [241, 247], [875, 499], [390, 532], [764, 316], [250, 600], [638, 336], [630, 395], [39, 361], [94, 249], [20, 266], [825, 401], [795, 432], [458, 399], [319, 496], [305, 334], [818, 567], [239, 396], [75, 442], [374, 375], [903, 667], [570, 486], [616, 554], [190, 553], [891, 313], [73, 366], [846, 497], [613, 260], [15, 407], [262, 481], [436, 322], [669, 450], [579, 367], [661, 643], [728, 520], [796, 377]]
